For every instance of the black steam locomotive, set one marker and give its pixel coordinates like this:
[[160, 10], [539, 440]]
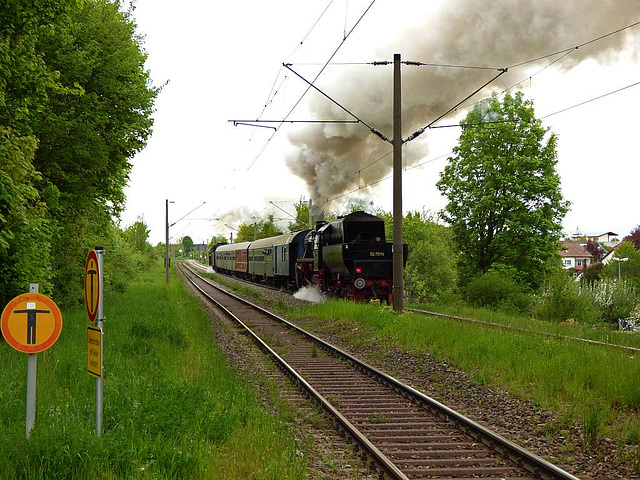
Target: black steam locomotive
[[347, 257]]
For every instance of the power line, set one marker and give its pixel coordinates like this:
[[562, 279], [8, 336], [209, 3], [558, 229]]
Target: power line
[[495, 122], [270, 97], [429, 125], [575, 47], [591, 100], [310, 30], [311, 85], [316, 77]]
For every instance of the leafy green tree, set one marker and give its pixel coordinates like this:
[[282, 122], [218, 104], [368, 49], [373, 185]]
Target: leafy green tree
[[504, 205], [25, 243], [24, 75], [247, 232], [137, 235], [187, 245], [430, 272], [25, 227], [100, 117], [362, 205], [218, 239], [96, 117], [302, 217], [629, 269]]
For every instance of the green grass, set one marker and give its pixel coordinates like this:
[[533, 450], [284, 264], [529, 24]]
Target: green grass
[[173, 408], [594, 386], [602, 333]]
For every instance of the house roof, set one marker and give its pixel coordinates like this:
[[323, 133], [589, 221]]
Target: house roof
[[574, 249]]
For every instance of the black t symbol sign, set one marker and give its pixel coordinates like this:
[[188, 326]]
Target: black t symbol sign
[[92, 273], [31, 323]]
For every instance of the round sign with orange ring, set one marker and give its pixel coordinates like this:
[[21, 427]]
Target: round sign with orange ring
[[31, 323]]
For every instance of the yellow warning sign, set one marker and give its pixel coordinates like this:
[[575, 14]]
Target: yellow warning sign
[[94, 352]]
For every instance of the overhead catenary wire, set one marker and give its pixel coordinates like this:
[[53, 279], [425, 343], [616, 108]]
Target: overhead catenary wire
[[576, 47], [563, 53], [270, 97], [316, 77], [311, 85]]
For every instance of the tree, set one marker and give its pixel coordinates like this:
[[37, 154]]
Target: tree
[[96, 117], [25, 243], [218, 239], [248, 232], [25, 226], [187, 245], [630, 268], [302, 217], [504, 205], [137, 235], [430, 269], [99, 113], [596, 251], [634, 237]]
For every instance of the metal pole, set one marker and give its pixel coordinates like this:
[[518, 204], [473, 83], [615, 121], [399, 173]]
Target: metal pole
[[166, 244], [32, 370], [99, 322], [398, 279], [310, 214], [619, 278]]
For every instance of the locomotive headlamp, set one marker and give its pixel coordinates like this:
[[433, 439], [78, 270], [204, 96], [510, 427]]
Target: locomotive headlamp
[[358, 270], [359, 283]]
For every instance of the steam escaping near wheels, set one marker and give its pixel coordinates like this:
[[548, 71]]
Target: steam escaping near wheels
[[311, 294]]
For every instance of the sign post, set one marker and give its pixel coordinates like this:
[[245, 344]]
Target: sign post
[[31, 323], [94, 296], [32, 373]]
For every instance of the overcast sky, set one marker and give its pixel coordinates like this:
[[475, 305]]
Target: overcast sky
[[223, 61]]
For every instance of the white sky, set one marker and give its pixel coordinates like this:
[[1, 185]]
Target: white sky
[[221, 60]]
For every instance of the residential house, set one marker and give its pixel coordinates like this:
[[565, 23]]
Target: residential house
[[606, 237], [575, 255]]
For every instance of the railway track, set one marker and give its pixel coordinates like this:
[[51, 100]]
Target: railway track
[[405, 433], [628, 348]]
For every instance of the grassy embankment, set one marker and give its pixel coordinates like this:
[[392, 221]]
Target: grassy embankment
[[591, 385], [172, 406]]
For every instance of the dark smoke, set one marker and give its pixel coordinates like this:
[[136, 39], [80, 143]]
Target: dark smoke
[[499, 33]]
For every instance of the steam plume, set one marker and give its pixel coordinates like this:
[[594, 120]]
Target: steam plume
[[499, 33]]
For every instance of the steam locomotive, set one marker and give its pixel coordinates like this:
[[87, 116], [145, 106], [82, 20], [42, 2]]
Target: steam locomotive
[[347, 257]]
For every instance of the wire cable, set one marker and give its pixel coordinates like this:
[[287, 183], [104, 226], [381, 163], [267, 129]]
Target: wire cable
[[316, 77], [590, 100], [575, 47]]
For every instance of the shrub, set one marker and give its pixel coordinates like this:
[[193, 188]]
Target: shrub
[[562, 299], [498, 290], [617, 299]]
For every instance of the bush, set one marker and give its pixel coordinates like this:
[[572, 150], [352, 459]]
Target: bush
[[498, 290], [616, 299], [563, 299]]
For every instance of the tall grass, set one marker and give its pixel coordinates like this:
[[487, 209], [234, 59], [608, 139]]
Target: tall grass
[[591, 385], [172, 406]]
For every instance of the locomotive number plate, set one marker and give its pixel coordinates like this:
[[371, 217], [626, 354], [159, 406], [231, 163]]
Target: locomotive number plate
[[376, 254]]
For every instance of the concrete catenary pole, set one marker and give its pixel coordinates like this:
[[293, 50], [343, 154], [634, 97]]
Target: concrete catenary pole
[[398, 279]]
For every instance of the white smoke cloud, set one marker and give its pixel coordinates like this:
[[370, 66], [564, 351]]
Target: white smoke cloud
[[501, 33]]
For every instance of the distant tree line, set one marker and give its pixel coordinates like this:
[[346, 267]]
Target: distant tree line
[[75, 106]]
